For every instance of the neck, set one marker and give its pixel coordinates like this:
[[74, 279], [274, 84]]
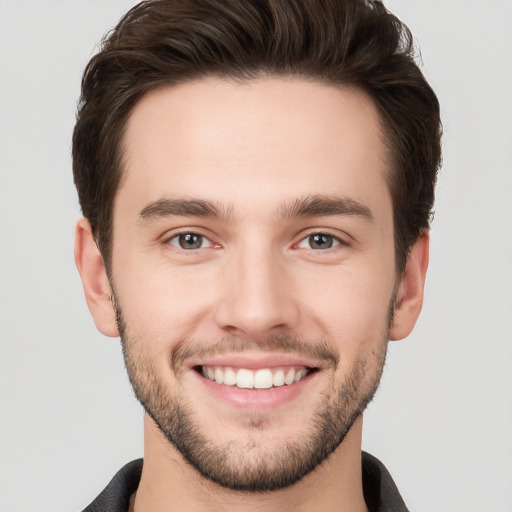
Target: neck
[[168, 481]]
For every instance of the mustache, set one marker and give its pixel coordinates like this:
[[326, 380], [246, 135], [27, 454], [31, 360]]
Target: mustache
[[280, 344]]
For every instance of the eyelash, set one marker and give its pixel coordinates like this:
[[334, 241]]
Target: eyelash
[[337, 241], [176, 237]]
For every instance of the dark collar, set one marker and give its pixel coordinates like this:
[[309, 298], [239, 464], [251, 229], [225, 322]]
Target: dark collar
[[380, 492], [116, 496]]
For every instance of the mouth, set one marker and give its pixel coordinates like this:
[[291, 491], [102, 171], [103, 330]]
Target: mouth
[[261, 378], [255, 381]]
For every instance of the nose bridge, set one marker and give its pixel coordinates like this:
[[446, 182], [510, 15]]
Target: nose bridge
[[257, 300]]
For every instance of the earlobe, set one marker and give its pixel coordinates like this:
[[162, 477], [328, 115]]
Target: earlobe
[[409, 297], [92, 271]]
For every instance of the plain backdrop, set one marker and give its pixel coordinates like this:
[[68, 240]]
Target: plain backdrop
[[442, 420]]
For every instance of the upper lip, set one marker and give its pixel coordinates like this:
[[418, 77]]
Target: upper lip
[[254, 361]]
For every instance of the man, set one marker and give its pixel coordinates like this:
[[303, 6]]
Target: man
[[256, 179]]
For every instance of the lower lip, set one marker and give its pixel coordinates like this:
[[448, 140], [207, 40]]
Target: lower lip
[[256, 398]]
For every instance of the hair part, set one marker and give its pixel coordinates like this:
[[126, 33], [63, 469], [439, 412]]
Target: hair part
[[354, 43]]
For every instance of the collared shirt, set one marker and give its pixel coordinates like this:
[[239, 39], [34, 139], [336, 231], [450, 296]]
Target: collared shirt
[[380, 492]]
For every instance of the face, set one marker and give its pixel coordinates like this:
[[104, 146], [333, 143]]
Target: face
[[253, 271]]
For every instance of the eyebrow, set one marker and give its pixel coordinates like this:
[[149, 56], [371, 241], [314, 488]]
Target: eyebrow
[[183, 207], [307, 206], [320, 205]]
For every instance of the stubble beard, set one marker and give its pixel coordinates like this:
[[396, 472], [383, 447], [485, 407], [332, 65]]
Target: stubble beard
[[249, 466]]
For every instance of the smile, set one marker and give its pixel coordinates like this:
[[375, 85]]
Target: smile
[[262, 378]]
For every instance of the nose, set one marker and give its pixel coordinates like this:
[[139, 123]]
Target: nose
[[257, 298]]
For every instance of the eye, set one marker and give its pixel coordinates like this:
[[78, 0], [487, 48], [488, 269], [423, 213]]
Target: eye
[[190, 241], [319, 242]]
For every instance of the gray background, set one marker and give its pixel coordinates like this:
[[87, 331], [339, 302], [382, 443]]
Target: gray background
[[442, 420]]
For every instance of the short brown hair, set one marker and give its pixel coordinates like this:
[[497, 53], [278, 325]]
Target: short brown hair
[[355, 43]]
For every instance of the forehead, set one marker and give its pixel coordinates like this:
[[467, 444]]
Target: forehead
[[253, 144]]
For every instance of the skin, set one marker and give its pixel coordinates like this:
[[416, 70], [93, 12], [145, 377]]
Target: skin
[[253, 150]]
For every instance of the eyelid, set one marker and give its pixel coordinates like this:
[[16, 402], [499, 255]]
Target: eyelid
[[340, 240], [188, 231], [174, 234]]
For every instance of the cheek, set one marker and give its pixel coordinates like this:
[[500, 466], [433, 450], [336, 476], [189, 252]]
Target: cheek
[[353, 309], [161, 301]]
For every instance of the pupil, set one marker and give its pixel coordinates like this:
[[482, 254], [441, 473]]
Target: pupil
[[190, 241], [320, 241]]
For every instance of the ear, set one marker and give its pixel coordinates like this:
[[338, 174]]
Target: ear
[[94, 280], [409, 296]]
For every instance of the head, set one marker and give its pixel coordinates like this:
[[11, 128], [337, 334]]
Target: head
[[258, 178]]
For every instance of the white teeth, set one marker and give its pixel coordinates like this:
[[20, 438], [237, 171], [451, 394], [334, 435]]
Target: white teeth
[[229, 377], [219, 376], [263, 378], [245, 379], [278, 378], [300, 375], [290, 377]]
